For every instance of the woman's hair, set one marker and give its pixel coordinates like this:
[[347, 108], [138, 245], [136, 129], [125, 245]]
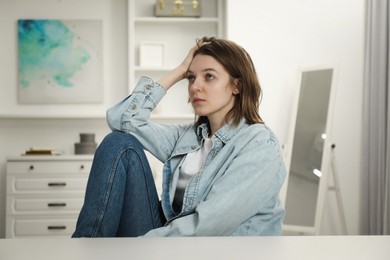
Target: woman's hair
[[239, 65]]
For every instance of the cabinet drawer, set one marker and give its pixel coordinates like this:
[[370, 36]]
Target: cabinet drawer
[[45, 194], [23, 206], [57, 167], [20, 185], [40, 227]]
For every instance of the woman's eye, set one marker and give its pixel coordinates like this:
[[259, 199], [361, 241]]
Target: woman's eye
[[209, 77], [190, 78]]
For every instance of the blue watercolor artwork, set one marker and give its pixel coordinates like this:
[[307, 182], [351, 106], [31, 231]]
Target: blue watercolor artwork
[[60, 61]]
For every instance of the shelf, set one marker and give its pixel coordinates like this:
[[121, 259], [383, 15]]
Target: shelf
[[51, 116], [65, 157], [154, 117], [152, 69], [176, 20]]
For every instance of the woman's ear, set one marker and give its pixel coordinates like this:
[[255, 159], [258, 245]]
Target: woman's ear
[[236, 91]]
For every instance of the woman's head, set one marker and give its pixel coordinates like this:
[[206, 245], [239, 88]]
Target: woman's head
[[242, 75]]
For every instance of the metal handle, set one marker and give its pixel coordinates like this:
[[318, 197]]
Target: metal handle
[[56, 204], [56, 227], [56, 184]]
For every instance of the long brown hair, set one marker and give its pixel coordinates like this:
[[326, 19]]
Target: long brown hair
[[239, 65]]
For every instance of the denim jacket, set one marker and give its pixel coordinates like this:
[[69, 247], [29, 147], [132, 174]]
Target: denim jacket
[[236, 192]]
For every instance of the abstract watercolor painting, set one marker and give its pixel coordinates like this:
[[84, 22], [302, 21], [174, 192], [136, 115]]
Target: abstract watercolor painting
[[60, 61]]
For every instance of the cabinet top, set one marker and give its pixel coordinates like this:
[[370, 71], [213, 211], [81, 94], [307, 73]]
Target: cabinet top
[[20, 158]]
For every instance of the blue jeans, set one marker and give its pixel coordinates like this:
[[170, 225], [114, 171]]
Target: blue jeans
[[121, 197]]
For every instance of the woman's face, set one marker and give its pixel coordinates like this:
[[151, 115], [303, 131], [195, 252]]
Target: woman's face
[[209, 87]]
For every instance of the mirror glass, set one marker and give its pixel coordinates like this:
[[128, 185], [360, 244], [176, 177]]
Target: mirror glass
[[306, 157]]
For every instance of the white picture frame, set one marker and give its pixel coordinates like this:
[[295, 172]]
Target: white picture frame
[[152, 54], [66, 68]]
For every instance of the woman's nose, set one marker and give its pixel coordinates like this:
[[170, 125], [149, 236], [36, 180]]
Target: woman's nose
[[196, 85]]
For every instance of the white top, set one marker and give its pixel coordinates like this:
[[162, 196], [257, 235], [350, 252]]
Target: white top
[[188, 248], [191, 166]]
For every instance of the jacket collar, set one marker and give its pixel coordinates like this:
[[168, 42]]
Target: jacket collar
[[225, 133]]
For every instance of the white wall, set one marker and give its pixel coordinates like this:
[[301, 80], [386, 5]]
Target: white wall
[[285, 35], [18, 133]]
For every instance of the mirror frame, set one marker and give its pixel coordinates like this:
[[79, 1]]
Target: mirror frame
[[326, 156]]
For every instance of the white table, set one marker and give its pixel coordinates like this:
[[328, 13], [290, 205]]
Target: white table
[[284, 247]]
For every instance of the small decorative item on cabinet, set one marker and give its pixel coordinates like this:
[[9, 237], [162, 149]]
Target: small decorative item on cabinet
[[43, 151], [181, 8], [86, 145]]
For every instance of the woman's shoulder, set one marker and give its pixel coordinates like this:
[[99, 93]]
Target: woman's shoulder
[[259, 133]]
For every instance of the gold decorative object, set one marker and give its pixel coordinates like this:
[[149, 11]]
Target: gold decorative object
[[195, 4], [178, 8], [161, 4]]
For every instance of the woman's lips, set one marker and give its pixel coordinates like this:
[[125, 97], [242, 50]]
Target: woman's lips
[[197, 100]]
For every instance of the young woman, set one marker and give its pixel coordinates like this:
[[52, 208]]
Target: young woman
[[222, 174]]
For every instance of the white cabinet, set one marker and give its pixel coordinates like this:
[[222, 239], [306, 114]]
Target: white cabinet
[[177, 35], [45, 194]]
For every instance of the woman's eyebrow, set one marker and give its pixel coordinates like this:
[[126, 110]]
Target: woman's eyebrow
[[210, 69], [204, 70]]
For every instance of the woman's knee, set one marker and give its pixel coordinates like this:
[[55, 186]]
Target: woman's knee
[[118, 140]]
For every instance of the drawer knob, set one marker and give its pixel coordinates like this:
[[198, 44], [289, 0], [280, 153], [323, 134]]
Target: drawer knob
[[82, 167], [31, 167], [56, 184], [56, 204], [56, 227]]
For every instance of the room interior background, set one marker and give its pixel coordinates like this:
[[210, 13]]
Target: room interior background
[[282, 37]]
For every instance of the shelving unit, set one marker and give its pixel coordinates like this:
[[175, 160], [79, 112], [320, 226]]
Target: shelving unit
[[178, 35]]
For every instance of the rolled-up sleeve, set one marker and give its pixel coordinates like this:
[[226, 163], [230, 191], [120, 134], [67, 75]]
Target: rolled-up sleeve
[[136, 107], [132, 115]]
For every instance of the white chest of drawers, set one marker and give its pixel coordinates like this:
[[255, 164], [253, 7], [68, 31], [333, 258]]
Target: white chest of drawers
[[45, 194]]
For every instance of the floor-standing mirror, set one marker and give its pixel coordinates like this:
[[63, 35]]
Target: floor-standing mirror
[[308, 154]]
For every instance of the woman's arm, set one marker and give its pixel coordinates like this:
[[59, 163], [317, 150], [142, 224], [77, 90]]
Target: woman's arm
[[132, 114]]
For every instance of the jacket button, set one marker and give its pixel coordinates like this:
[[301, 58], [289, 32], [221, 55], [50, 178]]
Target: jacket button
[[133, 106], [148, 87], [193, 147]]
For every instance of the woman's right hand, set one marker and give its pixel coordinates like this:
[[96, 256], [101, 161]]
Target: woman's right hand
[[180, 71], [188, 59]]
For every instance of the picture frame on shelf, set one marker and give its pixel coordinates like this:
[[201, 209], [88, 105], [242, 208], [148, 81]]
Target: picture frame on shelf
[[152, 54]]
